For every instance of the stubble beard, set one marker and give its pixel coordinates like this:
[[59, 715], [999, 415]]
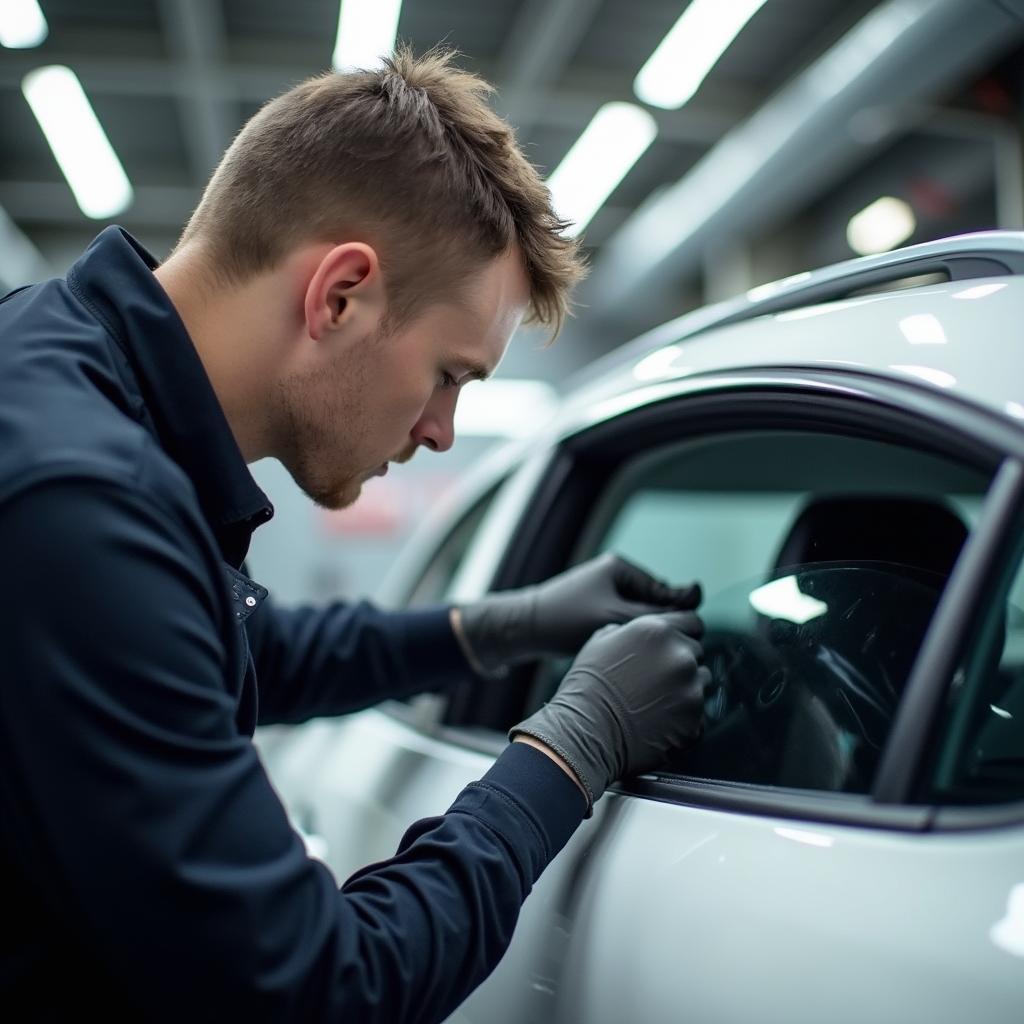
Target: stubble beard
[[304, 408]]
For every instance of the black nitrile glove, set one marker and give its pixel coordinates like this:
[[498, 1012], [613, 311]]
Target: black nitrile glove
[[560, 616], [633, 694]]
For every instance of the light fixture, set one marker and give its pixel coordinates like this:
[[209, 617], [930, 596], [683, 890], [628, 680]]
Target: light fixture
[[80, 146], [367, 30], [22, 24], [599, 159], [881, 226], [704, 31], [504, 408]]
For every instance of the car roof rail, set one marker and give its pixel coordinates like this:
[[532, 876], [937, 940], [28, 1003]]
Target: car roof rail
[[958, 258]]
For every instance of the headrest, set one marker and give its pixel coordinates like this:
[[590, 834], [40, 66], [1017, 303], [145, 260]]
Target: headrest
[[917, 532]]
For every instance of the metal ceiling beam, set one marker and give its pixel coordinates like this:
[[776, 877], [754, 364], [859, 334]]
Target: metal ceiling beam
[[51, 202], [148, 76], [793, 147], [540, 46], [195, 35], [700, 124]]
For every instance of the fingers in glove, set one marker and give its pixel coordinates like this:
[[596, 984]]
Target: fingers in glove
[[704, 680], [634, 584], [689, 624]]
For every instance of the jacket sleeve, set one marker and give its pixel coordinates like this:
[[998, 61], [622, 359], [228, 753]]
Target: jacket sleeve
[[341, 658], [149, 823]]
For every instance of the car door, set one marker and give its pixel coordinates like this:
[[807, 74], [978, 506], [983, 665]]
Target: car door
[[794, 865], [698, 892]]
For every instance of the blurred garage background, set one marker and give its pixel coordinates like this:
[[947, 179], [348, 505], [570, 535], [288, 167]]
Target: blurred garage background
[[702, 149]]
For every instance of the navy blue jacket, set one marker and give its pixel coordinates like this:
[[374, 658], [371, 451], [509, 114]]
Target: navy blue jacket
[[147, 868]]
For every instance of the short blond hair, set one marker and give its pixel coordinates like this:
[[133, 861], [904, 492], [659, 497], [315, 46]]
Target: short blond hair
[[410, 158]]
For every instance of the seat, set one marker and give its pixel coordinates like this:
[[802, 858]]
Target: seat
[[921, 534]]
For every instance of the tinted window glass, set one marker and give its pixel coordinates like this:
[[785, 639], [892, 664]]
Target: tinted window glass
[[808, 669], [822, 559], [437, 577], [980, 758]]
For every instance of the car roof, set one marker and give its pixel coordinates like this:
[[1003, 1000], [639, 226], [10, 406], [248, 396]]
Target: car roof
[[958, 336]]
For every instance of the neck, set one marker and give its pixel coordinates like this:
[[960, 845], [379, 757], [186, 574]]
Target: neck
[[231, 328]]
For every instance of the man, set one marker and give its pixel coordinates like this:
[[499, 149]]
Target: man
[[368, 244]]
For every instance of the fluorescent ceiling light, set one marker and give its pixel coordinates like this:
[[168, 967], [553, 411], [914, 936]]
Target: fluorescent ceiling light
[[599, 159], [79, 144], [367, 30], [504, 408], [881, 226], [704, 31], [783, 599], [22, 24]]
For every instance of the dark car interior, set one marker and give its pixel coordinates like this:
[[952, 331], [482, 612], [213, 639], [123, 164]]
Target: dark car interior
[[809, 704]]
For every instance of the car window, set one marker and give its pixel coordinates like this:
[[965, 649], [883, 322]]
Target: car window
[[444, 564], [807, 672], [980, 756], [822, 559]]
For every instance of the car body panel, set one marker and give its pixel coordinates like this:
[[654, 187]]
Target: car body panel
[[924, 335], [802, 922], [655, 906]]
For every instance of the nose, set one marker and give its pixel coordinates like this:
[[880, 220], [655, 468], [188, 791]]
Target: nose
[[435, 429]]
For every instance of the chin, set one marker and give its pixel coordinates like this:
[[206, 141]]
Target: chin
[[335, 498], [346, 496]]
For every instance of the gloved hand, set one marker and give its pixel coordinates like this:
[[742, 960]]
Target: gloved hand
[[559, 616], [634, 693]]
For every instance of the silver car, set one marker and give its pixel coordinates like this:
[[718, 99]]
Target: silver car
[[839, 459]]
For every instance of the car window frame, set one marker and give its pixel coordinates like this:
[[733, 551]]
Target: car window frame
[[843, 401]]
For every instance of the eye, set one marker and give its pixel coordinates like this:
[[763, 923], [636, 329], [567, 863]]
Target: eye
[[447, 381]]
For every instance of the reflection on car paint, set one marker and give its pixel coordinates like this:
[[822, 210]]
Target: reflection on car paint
[[1008, 932]]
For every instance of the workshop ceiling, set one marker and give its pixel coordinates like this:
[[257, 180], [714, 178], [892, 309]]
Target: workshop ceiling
[[172, 81]]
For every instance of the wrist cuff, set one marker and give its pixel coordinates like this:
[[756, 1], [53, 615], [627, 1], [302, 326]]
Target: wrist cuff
[[455, 617]]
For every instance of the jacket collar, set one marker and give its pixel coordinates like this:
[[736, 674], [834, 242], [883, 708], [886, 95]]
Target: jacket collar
[[114, 279]]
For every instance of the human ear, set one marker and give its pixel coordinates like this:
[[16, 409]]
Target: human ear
[[348, 273]]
